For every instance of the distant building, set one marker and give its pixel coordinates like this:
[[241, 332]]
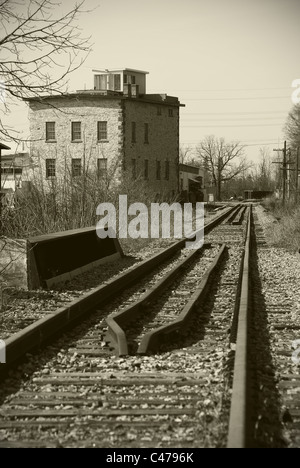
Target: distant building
[[257, 194], [192, 180], [115, 129], [15, 171], [2, 192]]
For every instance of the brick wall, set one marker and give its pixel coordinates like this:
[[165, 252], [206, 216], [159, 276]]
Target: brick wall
[[162, 146]]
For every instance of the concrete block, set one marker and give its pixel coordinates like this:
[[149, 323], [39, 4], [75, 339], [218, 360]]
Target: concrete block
[[61, 256], [44, 261]]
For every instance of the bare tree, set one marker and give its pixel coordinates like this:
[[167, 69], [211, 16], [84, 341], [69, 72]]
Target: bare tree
[[39, 48], [223, 161], [184, 154], [292, 126], [264, 170]]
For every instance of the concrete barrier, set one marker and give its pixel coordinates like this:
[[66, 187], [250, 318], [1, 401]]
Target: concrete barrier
[[57, 257], [43, 261]]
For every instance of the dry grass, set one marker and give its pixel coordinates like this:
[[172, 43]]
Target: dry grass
[[70, 202], [285, 233], [66, 204]]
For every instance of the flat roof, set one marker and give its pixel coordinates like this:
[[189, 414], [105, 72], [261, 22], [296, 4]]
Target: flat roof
[[174, 101], [183, 166], [121, 69], [4, 146]]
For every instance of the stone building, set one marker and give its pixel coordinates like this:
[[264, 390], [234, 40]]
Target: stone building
[[114, 129]]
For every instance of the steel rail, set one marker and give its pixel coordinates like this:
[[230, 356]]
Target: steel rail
[[119, 320], [234, 214], [239, 428], [239, 217], [153, 339]]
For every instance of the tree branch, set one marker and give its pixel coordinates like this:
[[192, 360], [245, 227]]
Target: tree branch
[[38, 50]]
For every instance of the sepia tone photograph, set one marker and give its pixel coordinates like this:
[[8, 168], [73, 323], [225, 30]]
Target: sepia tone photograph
[[149, 226]]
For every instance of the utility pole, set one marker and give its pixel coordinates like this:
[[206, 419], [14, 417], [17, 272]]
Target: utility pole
[[1, 148], [288, 175], [284, 171], [297, 176]]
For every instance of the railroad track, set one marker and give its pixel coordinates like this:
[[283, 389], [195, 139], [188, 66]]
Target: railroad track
[[55, 320], [78, 392], [277, 330]]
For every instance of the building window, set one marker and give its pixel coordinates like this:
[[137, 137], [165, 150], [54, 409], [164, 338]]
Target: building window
[[146, 133], [167, 170], [117, 82], [133, 132], [102, 168], [50, 168], [159, 110], [129, 79], [76, 131], [100, 82], [146, 171], [7, 170], [170, 112], [50, 131], [133, 166], [76, 167], [102, 130], [158, 170]]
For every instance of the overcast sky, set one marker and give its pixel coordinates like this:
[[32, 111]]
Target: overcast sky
[[231, 62]]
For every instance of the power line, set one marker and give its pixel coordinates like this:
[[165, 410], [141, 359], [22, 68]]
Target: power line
[[266, 141], [260, 144], [237, 118], [237, 98], [229, 126], [243, 144], [251, 140], [233, 113], [216, 90]]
